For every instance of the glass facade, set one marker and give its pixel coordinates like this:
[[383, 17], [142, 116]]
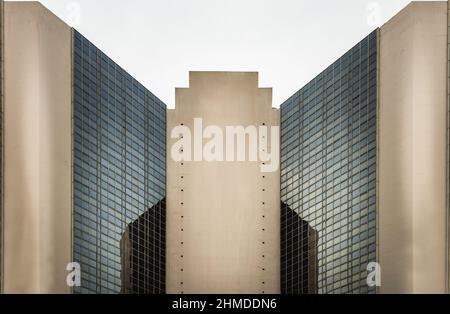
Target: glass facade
[[143, 249], [328, 171], [119, 162]]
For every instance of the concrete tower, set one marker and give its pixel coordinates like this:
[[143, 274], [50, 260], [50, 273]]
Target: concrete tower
[[223, 217]]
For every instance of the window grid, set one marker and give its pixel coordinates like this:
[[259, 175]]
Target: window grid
[[143, 258], [328, 175], [119, 162]]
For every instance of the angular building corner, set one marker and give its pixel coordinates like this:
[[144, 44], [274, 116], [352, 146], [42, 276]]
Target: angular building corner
[[143, 250], [119, 164]]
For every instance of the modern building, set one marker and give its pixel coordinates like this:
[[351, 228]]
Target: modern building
[[223, 213], [84, 148], [299, 260], [92, 174], [364, 159], [143, 250], [328, 166]]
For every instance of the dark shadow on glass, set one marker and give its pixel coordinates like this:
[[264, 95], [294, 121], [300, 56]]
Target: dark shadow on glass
[[299, 260], [143, 253]]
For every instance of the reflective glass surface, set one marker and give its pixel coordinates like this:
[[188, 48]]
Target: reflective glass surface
[[119, 162], [328, 173], [143, 247]]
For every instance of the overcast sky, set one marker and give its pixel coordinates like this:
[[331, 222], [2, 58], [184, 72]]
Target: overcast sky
[[287, 41]]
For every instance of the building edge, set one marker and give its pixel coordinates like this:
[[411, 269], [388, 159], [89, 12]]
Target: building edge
[[72, 148], [413, 206], [447, 284], [377, 180], [37, 115], [1, 144]]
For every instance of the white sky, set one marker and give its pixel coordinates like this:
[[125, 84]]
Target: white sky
[[287, 41]]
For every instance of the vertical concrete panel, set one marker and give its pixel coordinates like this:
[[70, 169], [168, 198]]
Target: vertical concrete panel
[[37, 243], [448, 149], [412, 150], [1, 145], [215, 211]]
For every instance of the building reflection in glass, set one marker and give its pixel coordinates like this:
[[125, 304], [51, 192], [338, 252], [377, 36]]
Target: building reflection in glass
[[299, 263], [143, 252]]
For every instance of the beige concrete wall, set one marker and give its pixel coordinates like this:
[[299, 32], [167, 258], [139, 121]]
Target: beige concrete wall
[[37, 243], [222, 212], [1, 146], [412, 150]]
